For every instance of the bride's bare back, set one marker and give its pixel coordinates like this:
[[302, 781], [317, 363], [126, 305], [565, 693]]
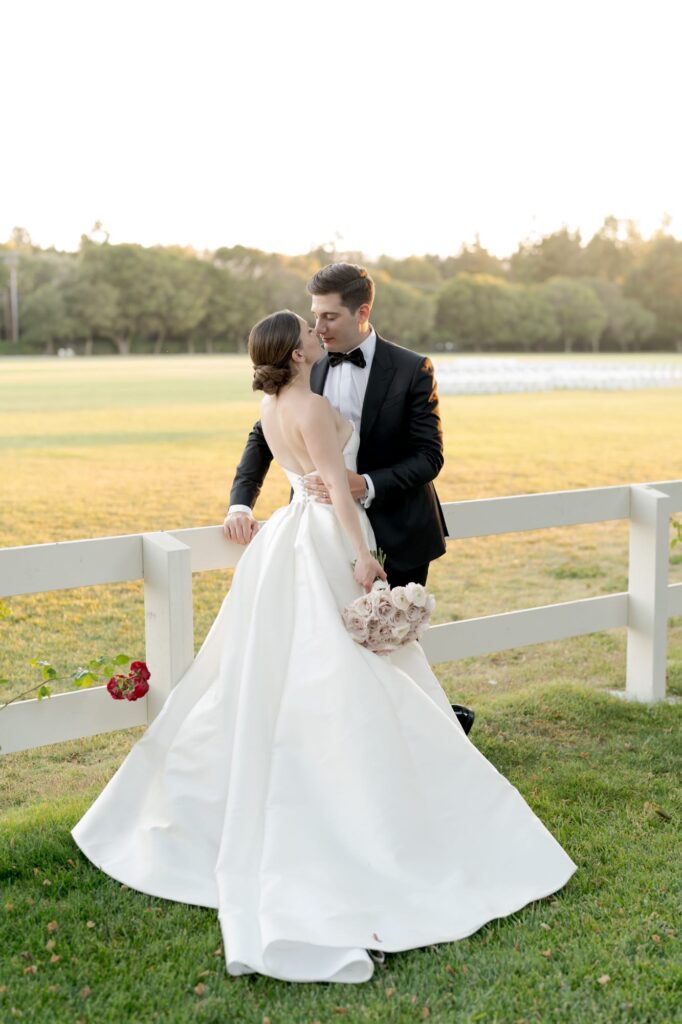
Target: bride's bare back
[[307, 435], [281, 419]]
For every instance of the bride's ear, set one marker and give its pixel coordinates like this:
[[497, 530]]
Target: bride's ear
[[298, 355]]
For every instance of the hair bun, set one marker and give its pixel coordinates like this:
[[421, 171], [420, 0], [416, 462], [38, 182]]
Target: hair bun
[[271, 378]]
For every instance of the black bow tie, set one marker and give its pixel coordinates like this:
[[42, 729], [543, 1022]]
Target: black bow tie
[[356, 357]]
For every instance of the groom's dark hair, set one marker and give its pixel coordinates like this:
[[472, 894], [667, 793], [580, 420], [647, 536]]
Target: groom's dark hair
[[350, 281]]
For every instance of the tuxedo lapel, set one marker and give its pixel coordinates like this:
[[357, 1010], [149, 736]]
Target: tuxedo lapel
[[318, 375], [380, 376]]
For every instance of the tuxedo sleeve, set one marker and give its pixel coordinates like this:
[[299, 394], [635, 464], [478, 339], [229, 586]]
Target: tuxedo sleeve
[[252, 468], [424, 459]]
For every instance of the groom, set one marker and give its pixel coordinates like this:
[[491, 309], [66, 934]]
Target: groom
[[390, 394]]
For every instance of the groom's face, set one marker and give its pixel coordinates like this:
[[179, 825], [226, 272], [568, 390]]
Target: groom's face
[[338, 328]]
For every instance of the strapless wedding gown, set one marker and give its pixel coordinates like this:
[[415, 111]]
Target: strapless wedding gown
[[324, 799]]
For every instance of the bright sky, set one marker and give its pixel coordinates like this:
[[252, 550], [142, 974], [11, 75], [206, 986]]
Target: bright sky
[[402, 127]]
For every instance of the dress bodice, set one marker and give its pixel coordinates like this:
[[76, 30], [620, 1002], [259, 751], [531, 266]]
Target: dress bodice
[[350, 458]]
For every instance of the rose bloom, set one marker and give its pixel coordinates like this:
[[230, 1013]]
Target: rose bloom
[[139, 670], [416, 593], [389, 613], [381, 602], [114, 687], [356, 623], [141, 688], [384, 637], [414, 613], [400, 630], [400, 598], [430, 603]]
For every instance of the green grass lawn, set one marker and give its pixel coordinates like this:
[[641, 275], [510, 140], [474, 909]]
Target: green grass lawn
[[108, 446]]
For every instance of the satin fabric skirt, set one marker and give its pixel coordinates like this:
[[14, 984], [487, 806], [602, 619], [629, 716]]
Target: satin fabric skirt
[[323, 799]]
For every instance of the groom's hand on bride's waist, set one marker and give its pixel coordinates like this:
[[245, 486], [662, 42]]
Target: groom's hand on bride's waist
[[240, 527], [316, 488]]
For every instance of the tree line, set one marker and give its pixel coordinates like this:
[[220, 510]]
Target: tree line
[[617, 292]]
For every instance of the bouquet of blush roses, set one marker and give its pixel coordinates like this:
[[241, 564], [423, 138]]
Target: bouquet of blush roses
[[387, 618]]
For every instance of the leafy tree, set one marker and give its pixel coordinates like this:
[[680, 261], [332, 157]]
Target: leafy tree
[[20, 241], [183, 290], [306, 265], [579, 313], [628, 324], [657, 283], [536, 326], [254, 283], [286, 289], [91, 306], [414, 270], [140, 289], [244, 262], [473, 259], [16, 250], [232, 307], [402, 313], [44, 317], [552, 291], [476, 311], [558, 254], [612, 251]]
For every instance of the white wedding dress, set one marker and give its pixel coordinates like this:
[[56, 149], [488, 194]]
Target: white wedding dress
[[322, 798]]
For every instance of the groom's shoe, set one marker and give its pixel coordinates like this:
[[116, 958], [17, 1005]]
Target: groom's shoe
[[465, 717]]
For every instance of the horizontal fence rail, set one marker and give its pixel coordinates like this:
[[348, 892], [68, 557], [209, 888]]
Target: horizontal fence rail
[[165, 561], [492, 633]]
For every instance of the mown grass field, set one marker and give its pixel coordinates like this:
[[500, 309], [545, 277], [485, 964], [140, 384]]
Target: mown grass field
[[108, 446]]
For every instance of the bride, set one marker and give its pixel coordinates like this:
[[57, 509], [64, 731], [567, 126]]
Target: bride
[[323, 799]]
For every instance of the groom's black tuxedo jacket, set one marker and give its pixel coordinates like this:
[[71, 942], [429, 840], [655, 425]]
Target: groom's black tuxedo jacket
[[401, 449]]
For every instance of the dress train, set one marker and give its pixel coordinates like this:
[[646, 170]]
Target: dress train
[[322, 798]]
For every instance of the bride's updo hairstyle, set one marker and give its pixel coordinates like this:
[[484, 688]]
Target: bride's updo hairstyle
[[271, 342]]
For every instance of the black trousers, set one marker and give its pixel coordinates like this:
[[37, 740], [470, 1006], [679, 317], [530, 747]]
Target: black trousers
[[400, 577]]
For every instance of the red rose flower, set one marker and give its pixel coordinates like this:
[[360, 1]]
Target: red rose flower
[[130, 687], [141, 687], [114, 687]]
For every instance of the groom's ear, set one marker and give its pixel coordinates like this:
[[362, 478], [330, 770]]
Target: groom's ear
[[362, 312]]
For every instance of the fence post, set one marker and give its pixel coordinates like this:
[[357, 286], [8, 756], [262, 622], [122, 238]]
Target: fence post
[[169, 630], [647, 594]]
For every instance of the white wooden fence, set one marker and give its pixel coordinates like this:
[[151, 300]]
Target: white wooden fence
[[166, 561]]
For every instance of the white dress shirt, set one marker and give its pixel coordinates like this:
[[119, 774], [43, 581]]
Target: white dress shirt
[[345, 388]]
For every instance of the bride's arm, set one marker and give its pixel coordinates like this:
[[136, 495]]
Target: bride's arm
[[319, 433]]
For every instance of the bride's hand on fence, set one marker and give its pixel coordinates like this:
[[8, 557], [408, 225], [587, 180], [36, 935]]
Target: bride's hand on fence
[[240, 527], [367, 570]]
